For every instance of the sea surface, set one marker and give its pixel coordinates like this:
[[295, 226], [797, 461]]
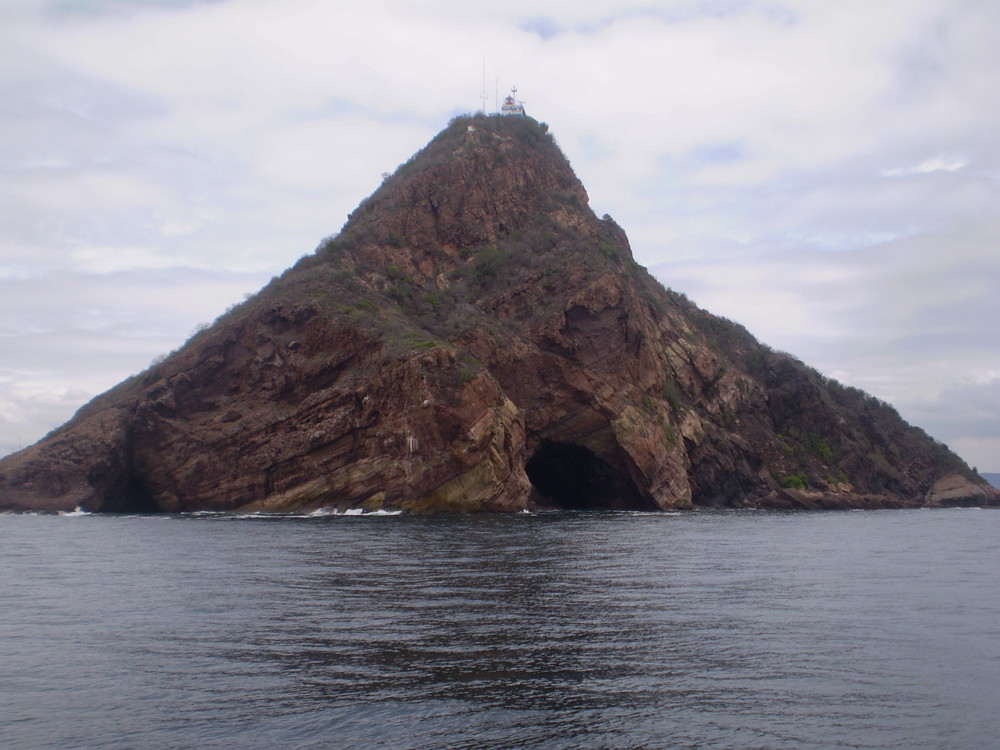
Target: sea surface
[[872, 629]]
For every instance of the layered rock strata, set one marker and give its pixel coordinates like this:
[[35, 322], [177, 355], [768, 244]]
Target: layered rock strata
[[477, 339]]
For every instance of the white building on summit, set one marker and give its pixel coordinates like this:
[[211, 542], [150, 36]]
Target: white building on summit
[[511, 107]]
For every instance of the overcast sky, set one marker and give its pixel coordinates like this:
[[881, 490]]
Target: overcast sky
[[826, 173]]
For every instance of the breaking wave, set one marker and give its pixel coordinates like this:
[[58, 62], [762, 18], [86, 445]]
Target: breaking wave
[[322, 512], [77, 511]]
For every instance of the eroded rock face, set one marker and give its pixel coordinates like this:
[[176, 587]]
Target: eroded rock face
[[476, 339], [956, 490]]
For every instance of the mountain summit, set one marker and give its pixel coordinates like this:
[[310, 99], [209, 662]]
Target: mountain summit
[[477, 339]]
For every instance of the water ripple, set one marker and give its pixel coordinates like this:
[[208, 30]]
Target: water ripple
[[764, 630]]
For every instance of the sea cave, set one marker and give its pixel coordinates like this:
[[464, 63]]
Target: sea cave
[[571, 477]]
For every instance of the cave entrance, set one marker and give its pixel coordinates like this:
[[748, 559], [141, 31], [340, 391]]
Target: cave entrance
[[570, 476], [130, 496]]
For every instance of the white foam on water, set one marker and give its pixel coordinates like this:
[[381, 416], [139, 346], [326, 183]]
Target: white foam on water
[[259, 516], [322, 512], [77, 511]]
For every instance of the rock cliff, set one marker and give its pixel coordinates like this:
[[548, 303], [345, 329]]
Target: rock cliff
[[477, 339]]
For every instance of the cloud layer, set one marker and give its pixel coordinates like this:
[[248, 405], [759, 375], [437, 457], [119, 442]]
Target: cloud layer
[[825, 173]]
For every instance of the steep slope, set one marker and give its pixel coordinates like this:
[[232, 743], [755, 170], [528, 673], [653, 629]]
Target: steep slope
[[475, 338]]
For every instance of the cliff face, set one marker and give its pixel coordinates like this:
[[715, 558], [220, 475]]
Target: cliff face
[[474, 339]]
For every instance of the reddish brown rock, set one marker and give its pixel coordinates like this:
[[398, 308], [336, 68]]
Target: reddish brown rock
[[476, 339]]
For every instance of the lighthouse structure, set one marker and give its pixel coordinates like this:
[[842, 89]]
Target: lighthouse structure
[[511, 106]]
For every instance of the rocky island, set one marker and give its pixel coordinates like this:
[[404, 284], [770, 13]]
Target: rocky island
[[477, 339]]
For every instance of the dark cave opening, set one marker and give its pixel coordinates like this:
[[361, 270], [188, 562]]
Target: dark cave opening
[[132, 496], [571, 477]]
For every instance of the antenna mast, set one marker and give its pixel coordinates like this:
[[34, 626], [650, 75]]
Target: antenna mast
[[484, 85]]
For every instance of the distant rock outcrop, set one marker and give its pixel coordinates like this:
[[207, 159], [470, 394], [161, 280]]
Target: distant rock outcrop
[[476, 339]]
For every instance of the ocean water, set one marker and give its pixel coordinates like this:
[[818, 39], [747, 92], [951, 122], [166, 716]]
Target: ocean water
[[564, 630]]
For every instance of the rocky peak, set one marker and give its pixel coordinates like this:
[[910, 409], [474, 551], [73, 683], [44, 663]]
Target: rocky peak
[[479, 181], [475, 338]]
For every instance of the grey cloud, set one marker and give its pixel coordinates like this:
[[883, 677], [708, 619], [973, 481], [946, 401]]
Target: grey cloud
[[966, 410], [117, 7], [48, 92], [597, 19], [66, 337], [544, 27], [137, 304]]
